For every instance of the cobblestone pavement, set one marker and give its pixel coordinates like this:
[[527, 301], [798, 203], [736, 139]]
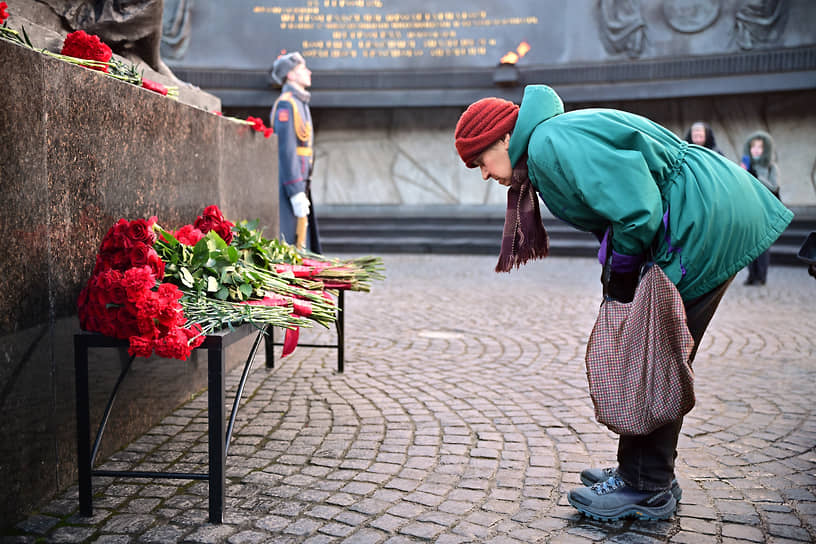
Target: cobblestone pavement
[[463, 416]]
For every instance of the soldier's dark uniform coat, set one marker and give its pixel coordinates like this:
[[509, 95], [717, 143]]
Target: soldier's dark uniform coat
[[292, 121]]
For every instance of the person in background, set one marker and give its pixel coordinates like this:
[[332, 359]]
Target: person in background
[[760, 160], [700, 133], [292, 120], [695, 214]]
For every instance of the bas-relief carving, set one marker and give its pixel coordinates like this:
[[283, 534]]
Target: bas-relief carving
[[623, 23], [760, 22], [176, 28], [623, 29], [691, 16]]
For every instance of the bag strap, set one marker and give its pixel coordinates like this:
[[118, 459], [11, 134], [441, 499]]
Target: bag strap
[[606, 273]]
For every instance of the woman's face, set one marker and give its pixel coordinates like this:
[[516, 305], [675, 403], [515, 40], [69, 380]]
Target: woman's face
[[757, 147], [494, 162], [698, 135]]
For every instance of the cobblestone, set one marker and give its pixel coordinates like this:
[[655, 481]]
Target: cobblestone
[[463, 416]]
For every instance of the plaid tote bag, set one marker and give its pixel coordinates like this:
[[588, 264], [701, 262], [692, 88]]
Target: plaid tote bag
[[637, 359]]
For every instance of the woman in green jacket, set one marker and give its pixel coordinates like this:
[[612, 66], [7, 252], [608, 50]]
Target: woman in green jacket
[[646, 194]]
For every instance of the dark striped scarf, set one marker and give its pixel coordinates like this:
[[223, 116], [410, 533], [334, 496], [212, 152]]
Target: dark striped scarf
[[524, 236]]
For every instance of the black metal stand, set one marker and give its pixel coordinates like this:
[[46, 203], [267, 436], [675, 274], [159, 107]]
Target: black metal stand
[[219, 437], [340, 345]]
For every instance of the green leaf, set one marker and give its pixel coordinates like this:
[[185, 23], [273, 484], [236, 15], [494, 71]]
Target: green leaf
[[201, 253], [185, 277], [212, 284], [222, 293], [215, 242], [25, 37], [233, 254], [226, 274], [246, 289]]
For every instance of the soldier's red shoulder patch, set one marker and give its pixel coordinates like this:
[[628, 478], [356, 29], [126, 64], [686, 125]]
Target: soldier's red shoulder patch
[[283, 115]]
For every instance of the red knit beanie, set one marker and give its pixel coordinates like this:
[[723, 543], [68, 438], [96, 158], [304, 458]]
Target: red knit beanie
[[484, 123]]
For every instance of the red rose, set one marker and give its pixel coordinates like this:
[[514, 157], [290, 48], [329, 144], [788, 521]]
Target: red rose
[[107, 322], [268, 132], [3, 13], [195, 337], [136, 280], [215, 221], [154, 86], [174, 345], [127, 324], [149, 305], [224, 230], [170, 316], [88, 319], [189, 235], [86, 46], [214, 212], [205, 224], [120, 260], [140, 347], [156, 264], [138, 254], [140, 230], [257, 122], [169, 292], [117, 294], [107, 279], [147, 327]]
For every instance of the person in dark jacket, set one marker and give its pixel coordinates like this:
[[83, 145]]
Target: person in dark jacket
[[758, 157], [292, 121], [697, 215], [700, 133]]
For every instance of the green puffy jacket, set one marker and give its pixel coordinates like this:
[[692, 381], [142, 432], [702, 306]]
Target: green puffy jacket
[[703, 216]]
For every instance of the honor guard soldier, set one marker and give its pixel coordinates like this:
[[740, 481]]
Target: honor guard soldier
[[292, 121]]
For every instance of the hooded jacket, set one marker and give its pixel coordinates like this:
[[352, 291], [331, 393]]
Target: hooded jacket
[[764, 168], [701, 217]]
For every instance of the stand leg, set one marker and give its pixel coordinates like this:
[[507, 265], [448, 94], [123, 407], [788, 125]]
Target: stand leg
[[270, 347], [217, 440], [83, 426], [340, 330]]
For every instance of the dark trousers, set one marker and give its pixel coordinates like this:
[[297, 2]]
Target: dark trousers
[[758, 269], [646, 462]]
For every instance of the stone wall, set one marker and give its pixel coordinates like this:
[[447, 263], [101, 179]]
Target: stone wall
[[406, 157], [82, 150]]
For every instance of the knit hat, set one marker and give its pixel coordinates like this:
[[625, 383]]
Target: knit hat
[[283, 65], [484, 123]]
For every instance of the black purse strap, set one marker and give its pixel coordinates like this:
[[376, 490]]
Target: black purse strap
[[606, 273]]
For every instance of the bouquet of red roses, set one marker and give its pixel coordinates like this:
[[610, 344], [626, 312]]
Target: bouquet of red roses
[[164, 290], [124, 298]]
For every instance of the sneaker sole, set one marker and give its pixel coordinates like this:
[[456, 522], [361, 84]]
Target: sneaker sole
[[676, 490], [636, 512]]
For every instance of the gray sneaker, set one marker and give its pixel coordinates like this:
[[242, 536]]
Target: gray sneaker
[[612, 500], [592, 476]]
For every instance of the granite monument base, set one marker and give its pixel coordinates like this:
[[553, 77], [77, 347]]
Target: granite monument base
[[81, 151]]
